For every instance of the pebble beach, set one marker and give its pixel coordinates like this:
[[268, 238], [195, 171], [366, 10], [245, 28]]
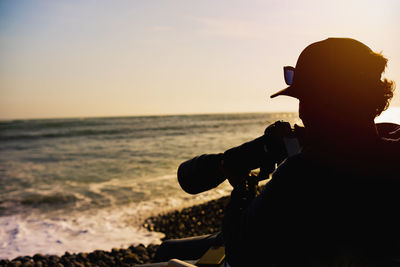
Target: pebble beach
[[197, 220]]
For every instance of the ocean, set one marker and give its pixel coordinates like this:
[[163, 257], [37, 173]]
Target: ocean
[[83, 184], [79, 185]]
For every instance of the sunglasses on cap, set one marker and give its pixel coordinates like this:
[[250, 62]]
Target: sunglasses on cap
[[288, 73]]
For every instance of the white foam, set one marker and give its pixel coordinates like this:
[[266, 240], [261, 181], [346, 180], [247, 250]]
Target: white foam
[[28, 236], [103, 229]]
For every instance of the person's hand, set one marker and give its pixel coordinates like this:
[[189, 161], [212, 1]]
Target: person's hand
[[235, 177]]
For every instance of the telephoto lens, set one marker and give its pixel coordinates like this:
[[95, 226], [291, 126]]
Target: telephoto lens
[[201, 173], [204, 172]]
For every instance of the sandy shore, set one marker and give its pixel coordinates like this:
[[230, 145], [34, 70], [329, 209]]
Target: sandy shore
[[196, 220]]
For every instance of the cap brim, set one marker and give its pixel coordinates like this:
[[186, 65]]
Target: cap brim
[[288, 91]]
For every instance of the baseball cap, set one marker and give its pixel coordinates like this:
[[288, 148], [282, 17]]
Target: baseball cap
[[329, 67]]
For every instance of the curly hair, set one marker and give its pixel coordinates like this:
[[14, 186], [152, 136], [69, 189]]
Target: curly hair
[[363, 92], [377, 93]]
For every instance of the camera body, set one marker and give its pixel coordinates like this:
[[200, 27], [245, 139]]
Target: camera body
[[204, 172]]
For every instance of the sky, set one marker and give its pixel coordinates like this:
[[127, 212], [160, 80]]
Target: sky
[[120, 58]]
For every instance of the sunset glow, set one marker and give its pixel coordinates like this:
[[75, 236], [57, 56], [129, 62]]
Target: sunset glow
[[101, 58]]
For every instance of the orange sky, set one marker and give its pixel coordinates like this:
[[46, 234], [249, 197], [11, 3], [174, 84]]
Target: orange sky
[[107, 58]]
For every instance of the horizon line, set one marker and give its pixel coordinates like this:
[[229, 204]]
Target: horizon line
[[141, 115], [158, 115]]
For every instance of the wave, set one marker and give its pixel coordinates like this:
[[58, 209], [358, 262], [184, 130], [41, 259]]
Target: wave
[[76, 133], [56, 199], [85, 231], [33, 130]]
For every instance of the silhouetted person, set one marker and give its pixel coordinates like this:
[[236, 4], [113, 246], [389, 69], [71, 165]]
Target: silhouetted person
[[339, 199]]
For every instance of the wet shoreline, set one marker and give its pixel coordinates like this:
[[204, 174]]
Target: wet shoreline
[[196, 220]]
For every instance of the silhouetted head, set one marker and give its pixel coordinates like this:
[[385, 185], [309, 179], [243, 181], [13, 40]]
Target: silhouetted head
[[338, 77]]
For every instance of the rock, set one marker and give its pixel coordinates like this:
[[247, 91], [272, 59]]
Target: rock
[[38, 257], [152, 248], [27, 264], [53, 260], [145, 258], [99, 253], [110, 261], [21, 259], [68, 263], [131, 258], [16, 263], [82, 257], [4, 262], [140, 249], [65, 260], [78, 264], [101, 263], [197, 220]]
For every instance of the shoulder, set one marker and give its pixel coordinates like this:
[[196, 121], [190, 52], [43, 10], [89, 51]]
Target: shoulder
[[388, 156], [389, 130], [291, 171], [391, 144], [293, 164], [390, 138]]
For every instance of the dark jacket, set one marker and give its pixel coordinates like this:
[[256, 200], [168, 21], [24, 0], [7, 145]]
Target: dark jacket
[[319, 207]]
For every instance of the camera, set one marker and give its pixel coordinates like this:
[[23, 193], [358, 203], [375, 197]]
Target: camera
[[204, 172]]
